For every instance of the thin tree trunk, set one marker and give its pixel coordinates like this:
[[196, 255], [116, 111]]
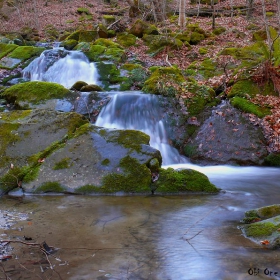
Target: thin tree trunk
[[213, 15], [182, 14], [266, 26]]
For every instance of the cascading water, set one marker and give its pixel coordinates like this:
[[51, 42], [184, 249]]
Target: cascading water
[[62, 67], [126, 110], [135, 110]]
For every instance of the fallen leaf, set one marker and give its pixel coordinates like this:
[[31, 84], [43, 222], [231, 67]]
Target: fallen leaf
[[265, 242]]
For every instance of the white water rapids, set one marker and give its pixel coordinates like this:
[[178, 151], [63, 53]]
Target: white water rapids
[[67, 70]]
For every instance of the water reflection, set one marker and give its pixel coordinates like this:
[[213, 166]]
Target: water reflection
[[153, 237]]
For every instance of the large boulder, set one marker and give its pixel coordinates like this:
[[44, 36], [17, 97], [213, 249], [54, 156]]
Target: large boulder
[[47, 151], [227, 137]]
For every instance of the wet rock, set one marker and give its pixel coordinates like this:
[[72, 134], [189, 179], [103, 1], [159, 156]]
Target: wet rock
[[64, 153], [228, 137]]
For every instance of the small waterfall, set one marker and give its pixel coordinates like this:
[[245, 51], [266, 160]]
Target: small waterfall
[[135, 110], [62, 67]]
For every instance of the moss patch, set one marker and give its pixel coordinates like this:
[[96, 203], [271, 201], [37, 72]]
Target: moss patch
[[244, 88], [248, 107], [25, 52], [50, 187], [34, 92], [260, 229], [187, 180], [62, 164], [137, 178], [163, 81], [6, 48], [273, 159]]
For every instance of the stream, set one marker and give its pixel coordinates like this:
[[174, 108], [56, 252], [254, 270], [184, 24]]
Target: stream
[[189, 237]]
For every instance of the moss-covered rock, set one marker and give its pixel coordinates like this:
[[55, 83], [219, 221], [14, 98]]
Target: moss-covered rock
[[69, 44], [88, 35], [91, 87], [83, 10], [157, 43], [94, 52], [244, 88], [18, 55], [249, 107], [163, 81], [139, 28], [264, 232], [273, 159], [78, 85], [126, 39], [108, 19], [34, 92], [6, 48], [186, 180]]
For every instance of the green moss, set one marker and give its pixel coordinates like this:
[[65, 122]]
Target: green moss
[[196, 38], [273, 159], [34, 92], [130, 139], [6, 48], [154, 165], [190, 150], [248, 107], [157, 43], [62, 164], [203, 50], [87, 189], [88, 36], [14, 115], [163, 81], [136, 179], [7, 137], [94, 52], [25, 52], [219, 30], [82, 129], [126, 39], [74, 36], [107, 43], [50, 187], [83, 10], [69, 44], [259, 35], [244, 88], [114, 54], [269, 211], [105, 162], [10, 180], [186, 180], [260, 229]]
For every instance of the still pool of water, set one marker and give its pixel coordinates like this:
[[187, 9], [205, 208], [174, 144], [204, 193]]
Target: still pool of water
[[146, 237]]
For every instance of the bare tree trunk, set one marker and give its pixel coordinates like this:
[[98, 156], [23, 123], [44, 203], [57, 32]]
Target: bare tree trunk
[[278, 13], [213, 15], [249, 8], [182, 14], [266, 26], [159, 9], [198, 8]]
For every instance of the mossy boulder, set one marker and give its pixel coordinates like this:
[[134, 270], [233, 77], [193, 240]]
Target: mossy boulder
[[6, 48], [125, 39], [273, 159], [78, 85], [163, 81], [227, 136], [139, 28], [95, 52], [181, 181], [91, 87], [19, 55], [157, 43], [35, 92], [108, 19], [69, 44]]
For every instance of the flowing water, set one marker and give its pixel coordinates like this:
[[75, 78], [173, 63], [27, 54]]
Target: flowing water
[[189, 237], [72, 67]]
